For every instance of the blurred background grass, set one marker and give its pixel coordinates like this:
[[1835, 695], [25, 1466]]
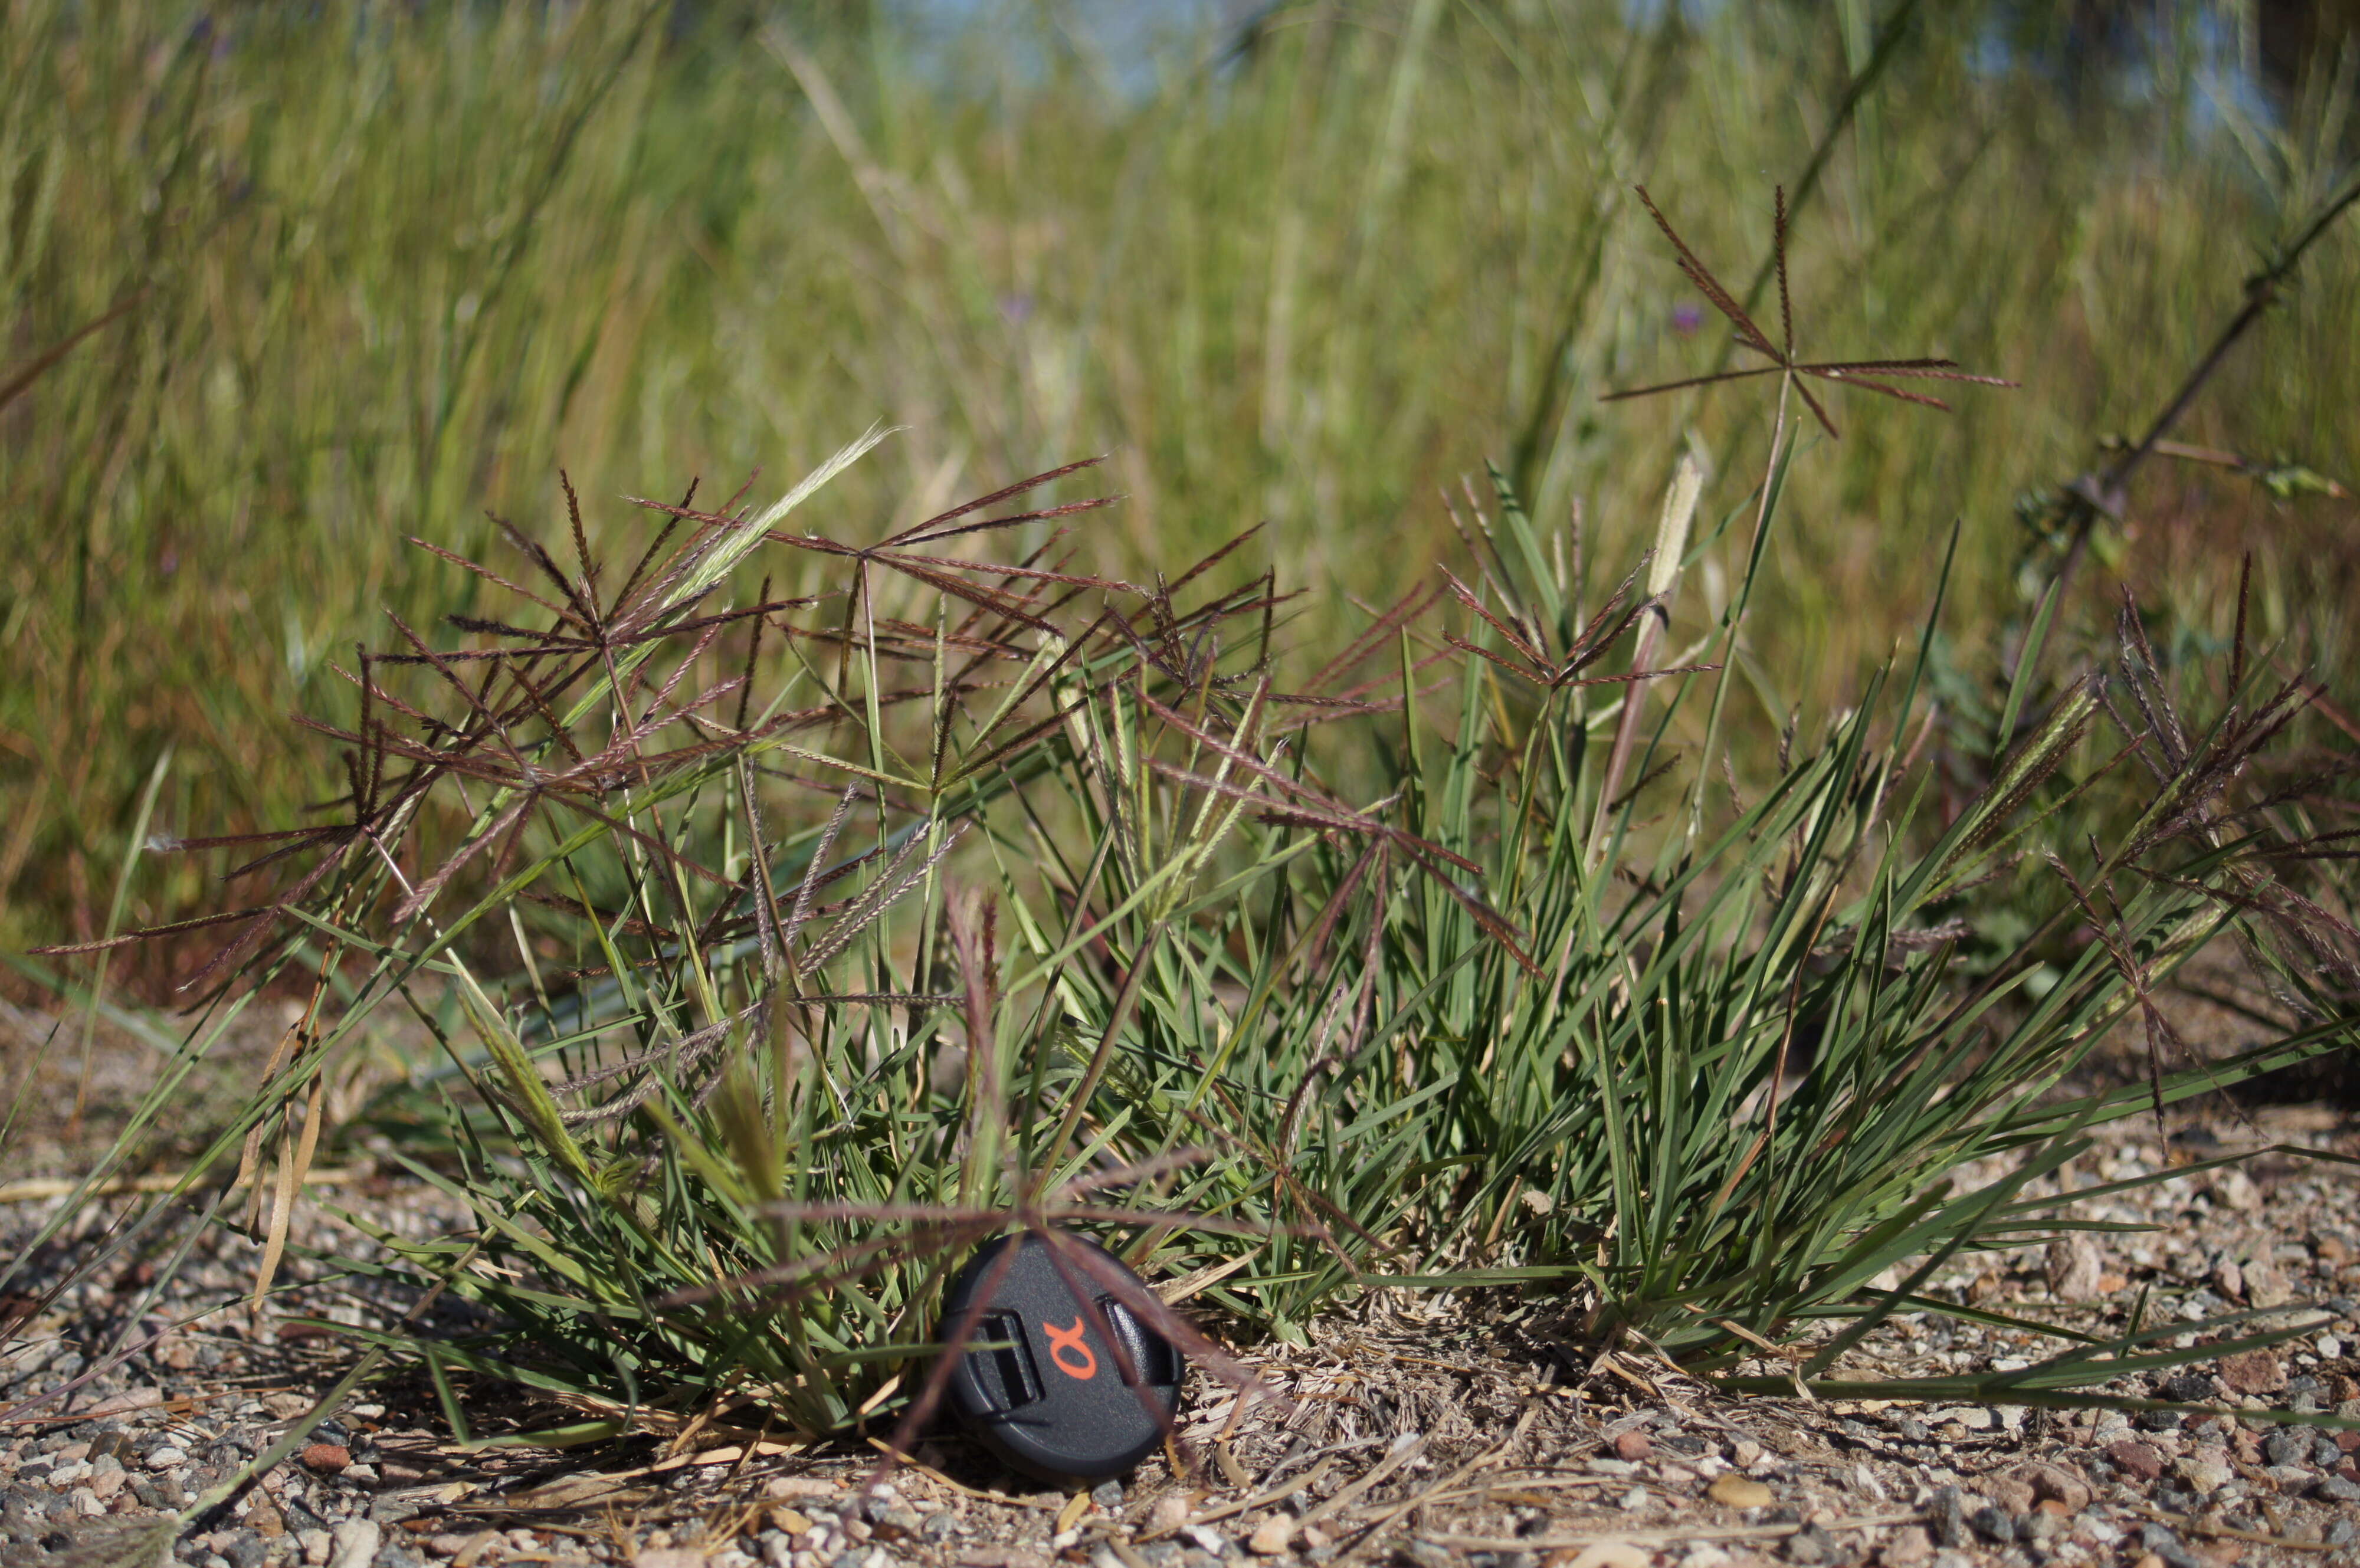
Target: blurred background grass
[[383, 269]]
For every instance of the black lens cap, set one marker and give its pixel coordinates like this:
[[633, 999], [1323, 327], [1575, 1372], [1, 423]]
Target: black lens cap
[[1040, 1383]]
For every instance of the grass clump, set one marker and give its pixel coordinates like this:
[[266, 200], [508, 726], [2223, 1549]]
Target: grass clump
[[780, 949]]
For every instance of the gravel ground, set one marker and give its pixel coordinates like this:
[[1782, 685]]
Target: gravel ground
[[1433, 1433]]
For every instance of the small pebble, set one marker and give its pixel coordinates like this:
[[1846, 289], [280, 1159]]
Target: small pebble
[[2286, 1446], [356, 1543], [782, 1487], [2159, 1541], [327, 1458], [1207, 1538], [669, 1557], [2253, 1372], [2203, 1473], [1949, 1511], [1272, 1537], [1811, 1545], [1610, 1554], [1737, 1492], [1909, 1547], [1633, 1446]]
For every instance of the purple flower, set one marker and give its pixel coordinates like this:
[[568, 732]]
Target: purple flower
[[1687, 319]]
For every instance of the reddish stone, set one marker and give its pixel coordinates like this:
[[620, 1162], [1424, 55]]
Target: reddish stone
[[326, 1457], [2058, 1482], [2014, 1496], [1633, 1446], [2253, 1372], [2136, 1459]]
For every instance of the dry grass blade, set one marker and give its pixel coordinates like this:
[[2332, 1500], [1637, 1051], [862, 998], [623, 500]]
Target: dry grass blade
[[40, 363]]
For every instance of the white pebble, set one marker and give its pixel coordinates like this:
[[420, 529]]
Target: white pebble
[[1206, 1540], [356, 1542]]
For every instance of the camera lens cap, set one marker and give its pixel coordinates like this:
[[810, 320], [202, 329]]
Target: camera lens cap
[[1040, 1383]]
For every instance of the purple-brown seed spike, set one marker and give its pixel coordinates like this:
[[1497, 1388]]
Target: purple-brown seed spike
[[1707, 284], [582, 547]]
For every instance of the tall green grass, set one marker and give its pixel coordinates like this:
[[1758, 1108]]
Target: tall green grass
[[384, 269]]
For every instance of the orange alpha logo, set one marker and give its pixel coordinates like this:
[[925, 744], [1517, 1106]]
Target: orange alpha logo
[[1062, 1339]]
